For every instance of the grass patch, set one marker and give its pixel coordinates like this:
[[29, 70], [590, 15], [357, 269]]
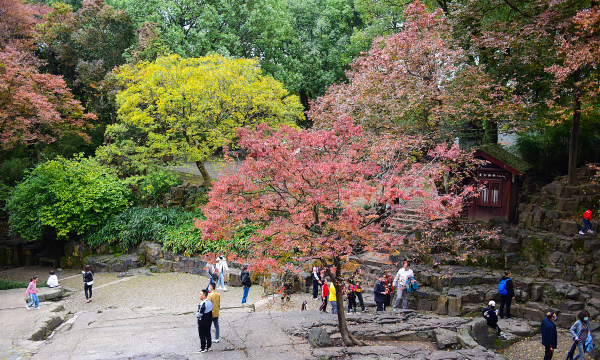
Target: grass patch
[[6, 285]]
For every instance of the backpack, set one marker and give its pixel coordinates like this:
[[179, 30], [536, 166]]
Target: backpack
[[411, 284], [502, 287]]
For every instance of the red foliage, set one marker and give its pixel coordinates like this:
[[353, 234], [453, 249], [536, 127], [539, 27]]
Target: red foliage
[[417, 79], [322, 195], [18, 20], [34, 107]]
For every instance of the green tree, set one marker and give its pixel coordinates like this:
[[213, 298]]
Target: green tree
[[190, 108], [67, 196]]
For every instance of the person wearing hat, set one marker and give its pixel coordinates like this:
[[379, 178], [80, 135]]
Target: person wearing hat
[[491, 315]]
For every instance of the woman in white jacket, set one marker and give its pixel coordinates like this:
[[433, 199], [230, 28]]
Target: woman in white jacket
[[222, 266]]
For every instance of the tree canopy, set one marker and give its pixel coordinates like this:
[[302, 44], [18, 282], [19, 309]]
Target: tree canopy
[[189, 108]]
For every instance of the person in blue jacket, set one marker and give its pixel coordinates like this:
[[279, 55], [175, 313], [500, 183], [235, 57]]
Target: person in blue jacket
[[549, 337], [580, 331], [380, 293]]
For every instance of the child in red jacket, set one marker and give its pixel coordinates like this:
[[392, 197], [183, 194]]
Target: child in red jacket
[[324, 295], [587, 221]]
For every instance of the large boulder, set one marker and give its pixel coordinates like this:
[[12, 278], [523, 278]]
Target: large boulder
[[318, 338], [445, 339]]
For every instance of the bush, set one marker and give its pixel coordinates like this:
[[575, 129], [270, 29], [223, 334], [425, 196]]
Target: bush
[[548, 150], [6, 285], [174, 228], [69, 196], [153, 187]]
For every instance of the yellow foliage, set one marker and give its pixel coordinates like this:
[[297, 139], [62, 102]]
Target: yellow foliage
[[190, 107]]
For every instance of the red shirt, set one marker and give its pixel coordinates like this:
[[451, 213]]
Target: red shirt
[[324, 290], [587, 215]]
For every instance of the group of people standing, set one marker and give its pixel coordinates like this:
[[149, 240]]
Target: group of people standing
[[210, 301]]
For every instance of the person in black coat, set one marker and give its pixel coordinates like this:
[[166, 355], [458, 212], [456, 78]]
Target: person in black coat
[[246, 283], [549, 338], [380, 293], [204, 316], [506, 300], [490, 314]]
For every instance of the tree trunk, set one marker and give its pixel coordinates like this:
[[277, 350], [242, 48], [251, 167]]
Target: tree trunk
[[491, 132], [347, 337], [204, 173], [573, 143]]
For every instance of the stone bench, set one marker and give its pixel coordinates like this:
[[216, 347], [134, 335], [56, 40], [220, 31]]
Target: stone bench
[[47, 294], [46, 260]]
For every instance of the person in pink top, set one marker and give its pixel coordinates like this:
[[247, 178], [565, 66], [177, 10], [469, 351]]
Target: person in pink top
[[32, 292]]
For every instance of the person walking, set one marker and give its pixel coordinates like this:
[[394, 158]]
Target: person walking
[[316, 279], [380, 292], [246, 283], [507, 293], [580, 331], [358, 282], [587, 221], [400, 283], [549, 335], [88, 281], [332, 298], [52, 280], [32, 292], [324, 295], [491, 315], [204, 316], [389, 287], [215, 298], [222, 267]]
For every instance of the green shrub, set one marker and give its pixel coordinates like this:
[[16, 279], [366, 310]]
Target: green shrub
[[152, 187], [6, 284], [138, 224], [70, 196], [548, 150], [174, 228], [12, 171]]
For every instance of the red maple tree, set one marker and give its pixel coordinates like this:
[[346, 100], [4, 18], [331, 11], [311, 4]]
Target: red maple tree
[[419, 79], [35, 107], [322, 195]]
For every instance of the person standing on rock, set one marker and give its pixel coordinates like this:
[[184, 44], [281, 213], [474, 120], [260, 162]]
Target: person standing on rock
[[351, 293], [380, 292], [580, 331], [507, 293], [246, 283], [549, 335], [204, 316], [222, 267], [324, 295], [287, 284], [358, 282], [32, 292], [403, 274], [215, 297], [88, 281], [491, 315], [389, 287]]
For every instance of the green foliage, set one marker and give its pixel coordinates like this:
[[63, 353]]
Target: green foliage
[[13, 170], [6, 284], [548, 150], [69, 196], [174, 228], [135, 225], [152, 187]]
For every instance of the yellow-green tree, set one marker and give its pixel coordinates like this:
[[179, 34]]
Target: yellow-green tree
[[188, 108]]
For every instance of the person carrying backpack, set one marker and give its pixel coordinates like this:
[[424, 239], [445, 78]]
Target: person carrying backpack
[[507, 293], [88, 281], [213, 274]]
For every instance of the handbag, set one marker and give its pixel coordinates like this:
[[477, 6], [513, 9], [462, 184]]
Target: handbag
[[589, 344]]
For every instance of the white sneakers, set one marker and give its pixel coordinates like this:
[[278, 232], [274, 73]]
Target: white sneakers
[[215, 340], [581, 233], [27, 307]]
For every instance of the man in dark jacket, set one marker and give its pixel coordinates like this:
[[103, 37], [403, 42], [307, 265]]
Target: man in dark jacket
[[549, 338], [246, 283], [204, 316], [509, 297], [489, 313], [380, 293]]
